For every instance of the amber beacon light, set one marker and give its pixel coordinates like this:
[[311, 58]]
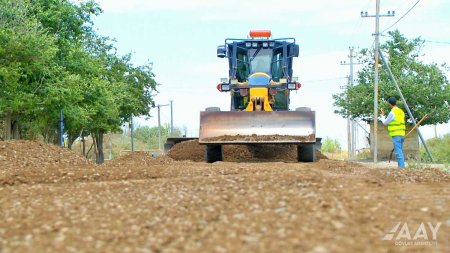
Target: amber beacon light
[[260, 33]]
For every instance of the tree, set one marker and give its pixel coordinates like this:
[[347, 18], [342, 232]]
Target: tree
[[51, 59], [424, 86], [71, 26], [24, 71]]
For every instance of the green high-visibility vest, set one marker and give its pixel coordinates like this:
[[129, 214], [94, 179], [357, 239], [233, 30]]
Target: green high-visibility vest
[[397, 126]]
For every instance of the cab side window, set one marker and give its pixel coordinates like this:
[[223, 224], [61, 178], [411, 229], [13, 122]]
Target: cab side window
[[277, 68], [242, 65]]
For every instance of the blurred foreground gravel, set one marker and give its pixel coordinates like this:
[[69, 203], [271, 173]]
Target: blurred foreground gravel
[[52, 200]]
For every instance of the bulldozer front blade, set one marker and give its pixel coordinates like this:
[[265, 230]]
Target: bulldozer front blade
[[242, 127]]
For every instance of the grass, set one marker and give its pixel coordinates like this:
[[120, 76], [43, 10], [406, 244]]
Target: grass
[[439, 149], [114, 146]]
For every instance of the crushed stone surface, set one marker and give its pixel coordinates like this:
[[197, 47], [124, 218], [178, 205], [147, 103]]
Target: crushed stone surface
[[52, 200], [193, 151]]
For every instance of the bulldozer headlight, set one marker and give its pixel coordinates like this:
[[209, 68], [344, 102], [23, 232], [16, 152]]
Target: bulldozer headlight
[[224, 87], [248, 44], [265, 44], [292, 86], [254, 44]]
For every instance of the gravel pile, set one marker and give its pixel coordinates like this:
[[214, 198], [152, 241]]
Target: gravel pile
[[138, 159], [35, 154]]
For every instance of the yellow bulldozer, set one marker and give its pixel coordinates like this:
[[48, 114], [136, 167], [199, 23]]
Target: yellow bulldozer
[[259, 81]]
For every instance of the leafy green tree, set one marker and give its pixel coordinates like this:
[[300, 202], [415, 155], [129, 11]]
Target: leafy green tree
[[71, 26], [27, 68], [51, 59], [424, 86]]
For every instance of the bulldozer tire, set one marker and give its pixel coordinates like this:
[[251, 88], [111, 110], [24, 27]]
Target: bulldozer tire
[[212, 109], [167, 147], [213, 153], [303, 109], [306, 153]]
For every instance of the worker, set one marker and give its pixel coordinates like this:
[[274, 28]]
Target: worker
[[395, 122]]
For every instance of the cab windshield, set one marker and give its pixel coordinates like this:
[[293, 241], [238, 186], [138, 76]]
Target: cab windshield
[[260, 60], [266, 60]]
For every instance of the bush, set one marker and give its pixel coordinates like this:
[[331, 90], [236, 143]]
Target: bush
[[439, 148], [330, 145], [149, 135]]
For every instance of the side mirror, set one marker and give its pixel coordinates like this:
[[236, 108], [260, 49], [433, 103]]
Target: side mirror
[[221, 52], [295, 50]]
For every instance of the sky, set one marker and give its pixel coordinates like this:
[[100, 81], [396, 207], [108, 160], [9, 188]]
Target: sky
[[180, 38]]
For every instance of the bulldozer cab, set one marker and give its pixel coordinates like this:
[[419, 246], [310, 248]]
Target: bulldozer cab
[[245, 61], [259, 55]]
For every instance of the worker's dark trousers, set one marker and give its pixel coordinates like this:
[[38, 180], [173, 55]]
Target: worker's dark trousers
[[398, 147]]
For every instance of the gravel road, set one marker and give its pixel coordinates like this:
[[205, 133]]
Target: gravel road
[[55, 201]]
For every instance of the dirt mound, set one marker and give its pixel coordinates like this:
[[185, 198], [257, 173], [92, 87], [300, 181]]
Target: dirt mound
[[35, 154], [187, 150], [37, 162], [319, 155], [192, 150], [30, 162], [137, 159], [260, 138], [266, 152]]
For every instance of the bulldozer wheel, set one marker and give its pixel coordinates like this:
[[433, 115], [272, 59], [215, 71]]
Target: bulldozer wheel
[[303, 109], [212, 109], [213, 153], [167, 147], [306, 153]]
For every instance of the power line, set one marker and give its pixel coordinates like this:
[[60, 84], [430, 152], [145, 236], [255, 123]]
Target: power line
[[424, 40], [398, 20], [357, 27], [438, 42], [324, 80]]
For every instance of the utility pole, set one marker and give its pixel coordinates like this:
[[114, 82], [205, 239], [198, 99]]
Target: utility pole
[[159, 128], [351, 129], [110, 147], [171, 117], [61, 128], [375, 86], [132, 133]]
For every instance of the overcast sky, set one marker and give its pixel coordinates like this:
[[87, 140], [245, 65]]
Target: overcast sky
[[180, 38]]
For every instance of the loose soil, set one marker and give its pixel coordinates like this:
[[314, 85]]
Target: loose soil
[[259, 138], [192, 150], [54, 201]]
